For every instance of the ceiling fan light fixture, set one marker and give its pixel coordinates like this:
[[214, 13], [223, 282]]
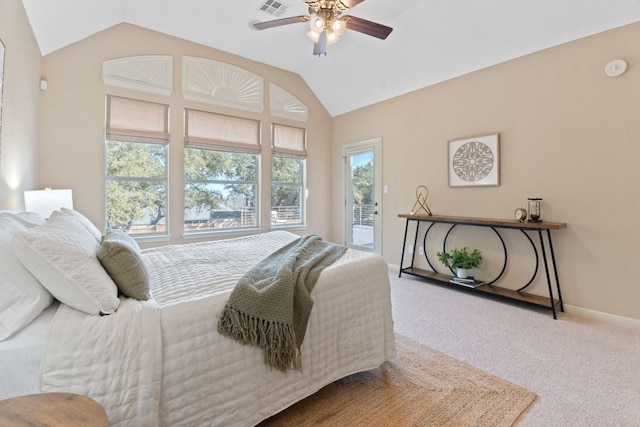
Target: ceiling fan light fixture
[[338, 26], [327, 23], [313, 36], [317, 24], [332, 37]]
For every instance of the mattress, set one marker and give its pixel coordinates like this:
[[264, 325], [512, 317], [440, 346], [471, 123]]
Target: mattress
[[163, 363], [20, 356]]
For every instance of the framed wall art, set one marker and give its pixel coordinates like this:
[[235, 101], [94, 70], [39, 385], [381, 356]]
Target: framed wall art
[[474, 161]]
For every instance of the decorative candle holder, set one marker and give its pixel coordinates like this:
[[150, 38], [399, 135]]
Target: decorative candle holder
[[534, 209]]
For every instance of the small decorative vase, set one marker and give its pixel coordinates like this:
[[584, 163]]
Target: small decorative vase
[[462, 273]]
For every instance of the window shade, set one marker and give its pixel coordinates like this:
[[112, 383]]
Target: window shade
[[288, 140], [211, 130], [133, 120]]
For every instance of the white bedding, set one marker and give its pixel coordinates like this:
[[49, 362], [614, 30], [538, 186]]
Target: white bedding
[[163, 363], [21, 354]]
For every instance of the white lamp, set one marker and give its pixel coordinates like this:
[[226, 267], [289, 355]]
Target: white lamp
[[44, 202]]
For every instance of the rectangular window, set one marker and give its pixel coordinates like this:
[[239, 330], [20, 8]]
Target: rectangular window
[[287, 175], [137, 134], [221, 160]]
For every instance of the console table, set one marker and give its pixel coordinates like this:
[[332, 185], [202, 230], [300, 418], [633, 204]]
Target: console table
[[546, 249]]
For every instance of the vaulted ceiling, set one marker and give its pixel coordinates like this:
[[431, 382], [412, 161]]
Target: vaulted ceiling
[[432, 40]]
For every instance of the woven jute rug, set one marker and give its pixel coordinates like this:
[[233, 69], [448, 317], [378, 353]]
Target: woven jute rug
[[419, 387]]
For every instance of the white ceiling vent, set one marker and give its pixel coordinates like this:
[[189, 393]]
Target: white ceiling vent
[[274, 7]]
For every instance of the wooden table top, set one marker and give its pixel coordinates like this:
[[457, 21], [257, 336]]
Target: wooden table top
[[488, 222], [52, 410]]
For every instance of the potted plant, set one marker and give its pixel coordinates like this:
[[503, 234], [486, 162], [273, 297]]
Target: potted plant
[[461, 260]]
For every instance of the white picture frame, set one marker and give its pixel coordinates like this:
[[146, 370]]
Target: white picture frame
[[474, 161]]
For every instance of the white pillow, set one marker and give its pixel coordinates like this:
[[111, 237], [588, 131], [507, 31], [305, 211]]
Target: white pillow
[[61, 254], [23, 298], [84, 221], [27, 219]]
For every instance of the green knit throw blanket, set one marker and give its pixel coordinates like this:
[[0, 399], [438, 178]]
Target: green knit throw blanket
[[270, 305]]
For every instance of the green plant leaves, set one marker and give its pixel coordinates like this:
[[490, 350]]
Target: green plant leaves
[[460, 258]]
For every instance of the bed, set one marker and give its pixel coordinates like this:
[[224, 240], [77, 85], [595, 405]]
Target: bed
[[161, 361]]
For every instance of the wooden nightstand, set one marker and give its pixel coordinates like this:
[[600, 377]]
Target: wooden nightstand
[[52, 410]]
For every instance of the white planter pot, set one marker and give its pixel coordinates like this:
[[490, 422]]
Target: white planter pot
[[462, 273]]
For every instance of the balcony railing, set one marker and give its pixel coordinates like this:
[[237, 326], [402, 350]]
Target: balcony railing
[[362, 215], [286, 215]]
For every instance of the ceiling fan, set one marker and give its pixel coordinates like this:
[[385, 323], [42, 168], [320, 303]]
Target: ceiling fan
[[328, 24]]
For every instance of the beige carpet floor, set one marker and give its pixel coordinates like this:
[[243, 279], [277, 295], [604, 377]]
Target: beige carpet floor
[[584, 371], [420, 387]]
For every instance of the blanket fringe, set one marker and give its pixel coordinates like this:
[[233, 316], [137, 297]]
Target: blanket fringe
[[278, 340]]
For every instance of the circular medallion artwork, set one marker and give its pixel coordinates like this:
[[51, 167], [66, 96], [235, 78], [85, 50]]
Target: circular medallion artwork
[[473, 161]]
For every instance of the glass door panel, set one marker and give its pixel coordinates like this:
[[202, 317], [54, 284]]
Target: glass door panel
[[362, 213]]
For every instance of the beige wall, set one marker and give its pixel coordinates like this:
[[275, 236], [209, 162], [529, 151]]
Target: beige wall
[[72, 151], [568, 134], [20, 109]]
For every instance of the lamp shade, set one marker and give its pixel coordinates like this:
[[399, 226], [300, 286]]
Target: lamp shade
[[314, 36], [332, 37], [44, 202], [338, 25], [317, 24]]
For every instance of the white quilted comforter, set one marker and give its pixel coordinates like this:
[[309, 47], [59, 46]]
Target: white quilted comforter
[[163, 363]]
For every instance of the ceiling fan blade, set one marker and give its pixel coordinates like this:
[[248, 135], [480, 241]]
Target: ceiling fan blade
[[350, 3], [368, 27], [320, 47], [279, 22]]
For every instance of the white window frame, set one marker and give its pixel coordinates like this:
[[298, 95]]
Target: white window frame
[[289, 142], [216, 132], [126, 123]]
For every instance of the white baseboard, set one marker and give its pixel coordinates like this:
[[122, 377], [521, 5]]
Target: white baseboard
[[572, 309], [601, 315]]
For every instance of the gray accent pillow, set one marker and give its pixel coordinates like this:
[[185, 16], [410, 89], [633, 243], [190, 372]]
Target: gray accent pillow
[[120, 256]]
